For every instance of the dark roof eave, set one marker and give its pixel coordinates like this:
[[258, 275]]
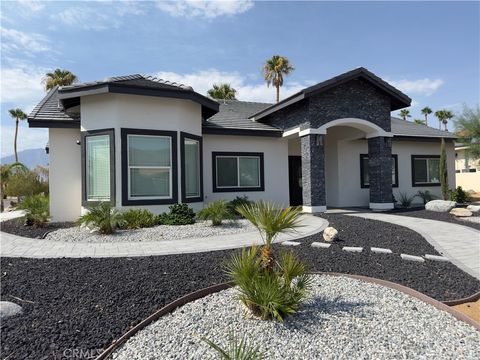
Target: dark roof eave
[[53, 124], [241, 132]]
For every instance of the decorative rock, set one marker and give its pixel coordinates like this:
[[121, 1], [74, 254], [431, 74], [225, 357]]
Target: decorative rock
[[381, 250], [330, 234], [291, 243], [352, 249], [412, 258], [461, 212], [321, 245], [8, 308], [436, 257], [474, 208], [440, 205]]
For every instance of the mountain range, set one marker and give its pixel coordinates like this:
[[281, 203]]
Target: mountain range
[[30, 158]]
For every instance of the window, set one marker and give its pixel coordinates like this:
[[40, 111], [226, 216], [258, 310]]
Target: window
[[98, 168], [192, 173], [148, 167], [237, 172], [364, 175], [425, 170]]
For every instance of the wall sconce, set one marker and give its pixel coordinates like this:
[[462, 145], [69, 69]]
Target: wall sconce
[[319, 140], [78, 142], [47, 149]]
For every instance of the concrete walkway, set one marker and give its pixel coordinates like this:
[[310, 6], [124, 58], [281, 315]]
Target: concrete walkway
[[4, 216], [17, 246], [460, 244]]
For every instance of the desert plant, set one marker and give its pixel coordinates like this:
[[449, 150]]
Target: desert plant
[[405, 200], [467, 127], [426, 111], [274, 69], [180, 214], [18, 115], [36, 208], [459, 195], [222, 91], [138, 218], [215, 211], [237, 349], [270, 221], [426, 196], [59, 77], [269, 293], [103, 216], [443, 170], [235, 203], [24, 182]]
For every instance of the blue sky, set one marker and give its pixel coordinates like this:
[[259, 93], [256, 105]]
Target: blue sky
[[429, 50]]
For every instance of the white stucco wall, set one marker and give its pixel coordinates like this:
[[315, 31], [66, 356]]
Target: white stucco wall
[[65, 174], [275, 160], [140, 112]]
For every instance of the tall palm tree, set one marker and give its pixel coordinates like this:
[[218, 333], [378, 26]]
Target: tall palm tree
[[448, 116], [274, 69], [404, 114], [18, 115], [441, 116], [426, 111], [222, 92], [59, 77]]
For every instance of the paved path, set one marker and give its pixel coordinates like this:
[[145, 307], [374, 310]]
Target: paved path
[[4, 216], [17, 246], [460, 244]]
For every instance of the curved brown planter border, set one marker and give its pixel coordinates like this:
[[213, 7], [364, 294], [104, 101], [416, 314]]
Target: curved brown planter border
[[216, 288], [471, 298]]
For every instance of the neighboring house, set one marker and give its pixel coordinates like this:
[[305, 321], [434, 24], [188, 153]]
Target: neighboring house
[[143, 142], [467, 170]]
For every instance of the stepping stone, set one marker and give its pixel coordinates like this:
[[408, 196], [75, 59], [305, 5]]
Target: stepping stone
[[412, 258], [290, 243], [381, 250], [436, 257], [8, 308], [321, 245], [352, 249]]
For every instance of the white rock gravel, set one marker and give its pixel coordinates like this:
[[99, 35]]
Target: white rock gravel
[[343, 319], [473, 219], [156, 233]]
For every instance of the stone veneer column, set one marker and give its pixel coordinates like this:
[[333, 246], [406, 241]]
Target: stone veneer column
[[313, 173], [380, 173]]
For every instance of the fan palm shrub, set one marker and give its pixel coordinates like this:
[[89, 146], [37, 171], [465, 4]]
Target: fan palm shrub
[[138, 218], [405, 200], [215, 211], [270, 221], [36, 208], [237, 349], [105, 218]]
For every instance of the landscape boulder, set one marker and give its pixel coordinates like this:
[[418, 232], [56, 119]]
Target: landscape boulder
[[461, 212], [440, 205], [474, 208], [330, 234], [8, 308]]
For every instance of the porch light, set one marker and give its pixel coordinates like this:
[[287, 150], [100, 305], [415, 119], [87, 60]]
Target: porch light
[[47, 148]]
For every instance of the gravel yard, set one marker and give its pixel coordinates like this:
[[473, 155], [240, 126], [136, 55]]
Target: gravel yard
[[343, 319], [17, 227], [156, 233], [473, 221]]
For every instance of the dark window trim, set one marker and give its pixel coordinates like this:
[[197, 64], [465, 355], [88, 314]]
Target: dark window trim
[[125, 200], [237, 189], [364, 186], [414, 184], [183, 136], [83, 136]]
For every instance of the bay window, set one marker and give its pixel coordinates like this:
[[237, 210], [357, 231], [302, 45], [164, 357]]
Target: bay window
[[237, 172], [192, 173]]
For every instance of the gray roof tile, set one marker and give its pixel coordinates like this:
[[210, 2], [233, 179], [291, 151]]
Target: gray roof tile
[[407, 128], [49, 109]]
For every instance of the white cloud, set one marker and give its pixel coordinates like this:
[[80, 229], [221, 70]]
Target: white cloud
[[204, 8], [21, 85], [424, 86], [203, 80], [18, 42], [31, 5]]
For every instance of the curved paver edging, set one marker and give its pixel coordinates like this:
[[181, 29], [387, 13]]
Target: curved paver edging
[[18, 246], [468, 299], [216, 288]]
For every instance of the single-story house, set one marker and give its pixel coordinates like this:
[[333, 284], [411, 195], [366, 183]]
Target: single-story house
[[467, 169], [139, 141]]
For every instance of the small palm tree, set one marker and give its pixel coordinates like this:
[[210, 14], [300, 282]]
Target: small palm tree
[[419, 122], [404, 114], [59, 77], [215, 211], [18, 115], [103, 217], [270, 221], [274, 69], [426, 111], [222, 92], [441, 116]]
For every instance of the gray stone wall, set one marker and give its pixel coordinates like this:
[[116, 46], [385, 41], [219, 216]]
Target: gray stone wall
[[313, 170], [380, 169], [290, 117]]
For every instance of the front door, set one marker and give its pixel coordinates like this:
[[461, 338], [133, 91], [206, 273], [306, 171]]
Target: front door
[[295, 180]]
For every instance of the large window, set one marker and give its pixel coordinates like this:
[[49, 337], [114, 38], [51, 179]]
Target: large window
[[364, 175], [237, 172], [425, 170], [191, 154], [98, 180], [149, 167]]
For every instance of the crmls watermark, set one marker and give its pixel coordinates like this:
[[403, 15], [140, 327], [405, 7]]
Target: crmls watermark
[[79, 354]]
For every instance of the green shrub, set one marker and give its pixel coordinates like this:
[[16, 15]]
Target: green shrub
[[426, 196], [138, 218], [237, 202], [180, 214], [24, 182], [269, 293], [216, 211], [238, 349], [103, 216], [405, 200], [37, 210], [459, 195]]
